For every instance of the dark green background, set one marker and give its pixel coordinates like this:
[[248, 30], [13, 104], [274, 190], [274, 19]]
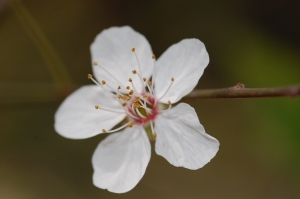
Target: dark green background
[[252, 42]]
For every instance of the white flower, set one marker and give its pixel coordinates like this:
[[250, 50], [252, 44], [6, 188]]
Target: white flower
[[123, 64]]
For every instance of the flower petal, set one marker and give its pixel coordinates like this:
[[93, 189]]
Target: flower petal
[[77, 117], [185, 62], [182, 140], [120, 160], [112, 50]]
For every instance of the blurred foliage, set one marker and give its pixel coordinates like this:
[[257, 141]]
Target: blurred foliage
[[252, 42]]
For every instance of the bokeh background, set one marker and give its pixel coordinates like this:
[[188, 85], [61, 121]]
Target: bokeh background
[[252, 42]]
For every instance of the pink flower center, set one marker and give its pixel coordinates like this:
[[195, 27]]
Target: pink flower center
[[144, 110]]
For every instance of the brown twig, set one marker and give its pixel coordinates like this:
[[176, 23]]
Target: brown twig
[[239, 91]]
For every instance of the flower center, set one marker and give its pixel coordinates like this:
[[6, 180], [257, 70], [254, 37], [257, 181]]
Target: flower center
[[141, 107], [144, 110]]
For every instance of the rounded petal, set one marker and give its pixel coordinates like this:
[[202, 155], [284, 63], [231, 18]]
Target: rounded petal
[[120, 160], [185, 62], [77, 118], [112, 50], [182, 140]]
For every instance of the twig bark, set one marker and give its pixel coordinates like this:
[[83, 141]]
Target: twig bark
[[239, 91]]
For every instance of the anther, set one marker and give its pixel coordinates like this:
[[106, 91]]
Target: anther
[[124, 104], [119, 96], [134, 71], [119, 87], [103, 130], [95, 63], [103, 82], [90, 76], [127, 87], [130, 92], [130, 125], [154, 135], [172, 79], [97, 107], [153, 56], [145, 79], [149, 83], [130, 80], [145, 96], [133, 49]]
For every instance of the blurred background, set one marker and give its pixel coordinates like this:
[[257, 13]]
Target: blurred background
[[44, 55]]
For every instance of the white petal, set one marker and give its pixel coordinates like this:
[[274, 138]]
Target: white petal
[[185, 62], [182, 140], [112, 50], [120, 160], [77, 117]]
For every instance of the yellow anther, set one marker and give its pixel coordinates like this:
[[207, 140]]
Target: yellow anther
[[127, 87], [130, 125], [119, 96], [145, 79], [145, 96], [95, 63], [103, 82], [154, 135], [119, 87], [149, 83], [133, 49], [137, 98], [136, 105], [97, 107], [130, 92], [153, 56], [124, 104], [130, 80], [172, 79], [134, 71], [103, 130], [90, 76]]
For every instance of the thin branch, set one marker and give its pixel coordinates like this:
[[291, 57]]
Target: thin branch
[[239, 91]]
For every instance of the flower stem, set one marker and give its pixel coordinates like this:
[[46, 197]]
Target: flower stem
[[239, 91]]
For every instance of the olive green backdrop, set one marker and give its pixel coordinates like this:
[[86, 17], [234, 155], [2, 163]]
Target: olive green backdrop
[[252, 42]]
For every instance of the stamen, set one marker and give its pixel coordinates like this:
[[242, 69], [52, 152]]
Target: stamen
[[153, 133], [130, 80], [153, 72], [109, 110], [117, 129], [170, 105], [133, 50], [172, 79], [104, 83], [149, 88], [131, 92], [91, 78], [96, 64], [127, 87], [145, 79]]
